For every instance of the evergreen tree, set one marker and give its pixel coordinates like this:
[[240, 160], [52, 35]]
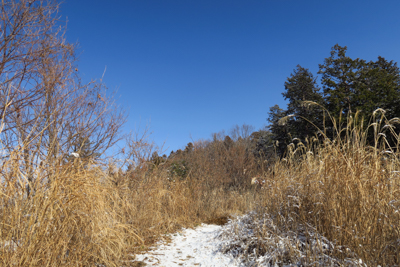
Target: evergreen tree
[[189, 147], [228, 142], [351, 85], [262, 144], [280, 132], [339, 75], [379, 87], [301, 86]]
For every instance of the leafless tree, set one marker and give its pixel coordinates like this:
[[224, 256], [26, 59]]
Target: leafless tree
[[242, 132], [47, 112]]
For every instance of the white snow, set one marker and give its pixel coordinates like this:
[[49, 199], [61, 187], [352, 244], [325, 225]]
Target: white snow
[[240, 243], [76, 155], [190, 247]]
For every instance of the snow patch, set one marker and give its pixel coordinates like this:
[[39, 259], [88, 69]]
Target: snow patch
[[190, 247]]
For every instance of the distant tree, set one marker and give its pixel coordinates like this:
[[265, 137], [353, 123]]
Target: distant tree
[[243, 131], [301, 86], [179, 169], [280, 131], [263, 144], [354, 84], [228, 142], [189, 147], [156, 160], [218, 136]]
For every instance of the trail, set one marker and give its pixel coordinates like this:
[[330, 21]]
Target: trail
[[190, 247], [240, 243]]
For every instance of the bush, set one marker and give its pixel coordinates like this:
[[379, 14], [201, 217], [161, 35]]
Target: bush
[[179, 169]]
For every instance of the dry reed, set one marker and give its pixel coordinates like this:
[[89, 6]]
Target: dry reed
[[80, 214], [346, 188]]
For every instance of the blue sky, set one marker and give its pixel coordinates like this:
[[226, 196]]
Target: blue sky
[[192, 68]]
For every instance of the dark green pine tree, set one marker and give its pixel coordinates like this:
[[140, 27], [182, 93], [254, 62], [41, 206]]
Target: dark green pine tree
[[339, 76], [301, 86], [379, 87], [262, 144], [351, 85], [280, 132]]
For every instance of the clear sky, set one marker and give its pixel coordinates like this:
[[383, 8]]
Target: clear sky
[[192, 68]]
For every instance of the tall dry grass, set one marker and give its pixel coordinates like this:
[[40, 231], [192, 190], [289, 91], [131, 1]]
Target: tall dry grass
[[70, 219], [83, 214], [347, 188], [212, 187]]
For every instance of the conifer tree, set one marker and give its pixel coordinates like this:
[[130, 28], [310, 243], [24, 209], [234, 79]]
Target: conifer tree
[[280, 132], [339, 75], [379, 87], [348, 86], [351, 85], [301, 86]]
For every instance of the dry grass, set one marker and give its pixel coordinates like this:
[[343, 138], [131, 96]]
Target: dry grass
[[71, 220], [82, 214], [160, 206], [346, 189], [343, 190]]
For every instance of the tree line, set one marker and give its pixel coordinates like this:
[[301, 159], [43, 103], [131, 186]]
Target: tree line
[[317, 109], [346, 87]]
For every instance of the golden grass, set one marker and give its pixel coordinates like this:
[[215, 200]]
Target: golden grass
[[71, 220], [79, 216], [347, 189]]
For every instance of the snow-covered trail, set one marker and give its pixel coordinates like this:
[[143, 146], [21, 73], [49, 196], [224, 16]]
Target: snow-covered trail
[[190, 247], [240, 243]]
